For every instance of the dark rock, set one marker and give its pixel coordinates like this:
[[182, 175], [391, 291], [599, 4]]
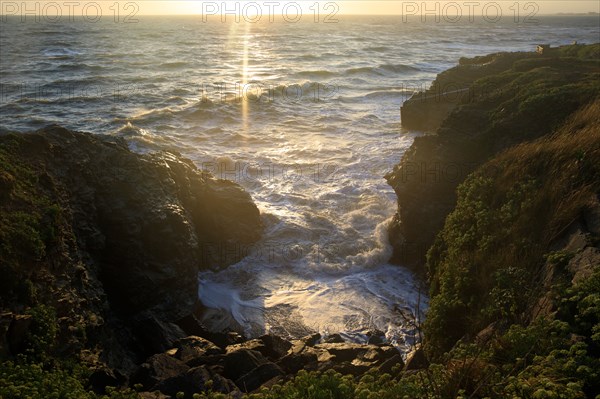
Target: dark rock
[[196, 380], [255, 378], [5, 321], [192, 347], [17, 332], [591, 216], [208, 360], [582, 265], [391, 364], [131, 232], [346, 351], [275, 347], [294, 363], [416, 360], [333, 339], [153, 395], [253, 345], [241, 362], [312, 340], [155, 335], [156, 369], [270, 346], [103, 377], [473, 122], [376, 337]]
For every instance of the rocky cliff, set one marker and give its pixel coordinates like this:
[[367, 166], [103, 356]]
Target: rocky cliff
[[108, 241], [499, 100]]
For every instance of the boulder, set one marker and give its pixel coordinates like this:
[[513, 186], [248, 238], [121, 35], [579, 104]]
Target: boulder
[[192, 347], [416, 360], [131, 232], [260, 375], [241, 362], [333, 339], [391, 364], [582, 265], [196, 380], [158, 368]]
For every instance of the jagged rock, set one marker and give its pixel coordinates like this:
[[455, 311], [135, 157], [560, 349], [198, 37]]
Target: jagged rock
[[275, 346], [255, 378], [155, 335], [158, 368], [153, 395], [195, 380], [253, 344], [241, 362], [192, 347], [416, 360], [395, 362], [333, 339], [312, 340], [582, 265], [300, 356], [270, 346], [131, 232], [103, 377], [348, 352], [376, 337], [473, 122]]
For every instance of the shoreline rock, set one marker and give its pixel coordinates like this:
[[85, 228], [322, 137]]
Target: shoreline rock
[[118, 238], [501, 100]]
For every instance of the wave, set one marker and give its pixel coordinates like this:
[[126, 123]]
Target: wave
[[174, 64], [320, 73], [384, 69], [60, 53]]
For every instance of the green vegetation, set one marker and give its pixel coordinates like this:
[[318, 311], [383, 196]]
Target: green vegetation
[[488, 261]]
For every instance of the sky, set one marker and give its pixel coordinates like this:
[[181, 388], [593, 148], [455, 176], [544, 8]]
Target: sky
[[252, 8]]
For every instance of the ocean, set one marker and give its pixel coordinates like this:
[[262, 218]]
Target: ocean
[[305, 116]]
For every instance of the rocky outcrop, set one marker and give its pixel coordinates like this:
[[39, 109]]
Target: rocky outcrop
[[498, 101], [114, 239], [256, 363]]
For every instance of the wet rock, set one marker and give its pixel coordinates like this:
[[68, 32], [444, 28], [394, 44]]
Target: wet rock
[[376, 337], [333, 339]]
